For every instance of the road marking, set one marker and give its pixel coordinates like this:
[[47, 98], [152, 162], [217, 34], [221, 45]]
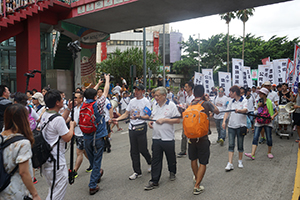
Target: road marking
[[296, 192]]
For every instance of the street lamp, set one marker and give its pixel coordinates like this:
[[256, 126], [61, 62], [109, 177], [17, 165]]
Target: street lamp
[[198, 51]]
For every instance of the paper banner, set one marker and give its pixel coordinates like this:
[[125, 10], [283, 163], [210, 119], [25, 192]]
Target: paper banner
[[208, 81], [297, 68], [289, 72], [254, 73], [237, 71], [198, 78], [225, 81], [247, 80], [280, 70]]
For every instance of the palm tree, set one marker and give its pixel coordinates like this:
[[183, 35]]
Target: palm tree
[[244, 16], [227, 17]]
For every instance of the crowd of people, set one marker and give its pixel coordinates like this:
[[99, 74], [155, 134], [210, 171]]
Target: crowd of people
[[158, 109]]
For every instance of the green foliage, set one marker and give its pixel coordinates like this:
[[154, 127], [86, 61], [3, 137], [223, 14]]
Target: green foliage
[[244, 15], [118, 64], [228, 16]]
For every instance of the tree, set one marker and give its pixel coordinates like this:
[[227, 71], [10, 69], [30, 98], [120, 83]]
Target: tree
[[227, 17], [244, 16], [118, 63]]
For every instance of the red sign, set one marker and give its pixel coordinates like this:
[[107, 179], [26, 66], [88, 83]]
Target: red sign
[[156, 42], [103, 51]]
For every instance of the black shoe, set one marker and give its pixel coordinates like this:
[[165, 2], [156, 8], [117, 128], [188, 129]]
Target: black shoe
[[108, 150], [150, 186], [89, 169], [181, 154], [172, 176], [94, 190]]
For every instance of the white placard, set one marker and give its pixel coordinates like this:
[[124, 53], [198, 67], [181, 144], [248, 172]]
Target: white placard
[[225, 81], [198, 78], [247, 80], [118, 1], [237, 71], [279, 67], [263, 74], [98, 4], [90, 7], [208, 81], [108, 3]]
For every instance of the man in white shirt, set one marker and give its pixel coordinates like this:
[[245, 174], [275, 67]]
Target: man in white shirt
[[56, 133], [181, 95], [170, 95], [138, 110], [220, 102], [235, 124], [188, 87], [163, 139], [124, 102], [117, 89]]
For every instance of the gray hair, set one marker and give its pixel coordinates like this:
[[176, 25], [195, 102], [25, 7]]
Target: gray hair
[[161, 90]]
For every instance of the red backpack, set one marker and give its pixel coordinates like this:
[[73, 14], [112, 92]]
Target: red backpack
[[87, 118]]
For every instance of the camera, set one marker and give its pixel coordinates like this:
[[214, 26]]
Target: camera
[[112, 78]]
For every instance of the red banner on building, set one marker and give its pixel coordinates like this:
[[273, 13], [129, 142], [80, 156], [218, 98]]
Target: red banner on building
[[156, 42], [103, 51]]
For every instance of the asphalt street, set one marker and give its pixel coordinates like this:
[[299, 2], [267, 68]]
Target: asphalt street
[[262, 178]]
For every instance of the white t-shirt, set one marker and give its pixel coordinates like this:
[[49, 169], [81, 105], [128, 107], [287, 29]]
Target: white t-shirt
[[33, 113], [189, 99], [221, 103], [181, 95], [106, 110], [170, 96], [164, 131], [124, 103], [237, 120], [136, 107], [116, 109], [251, 103], [117, 89], [57, 127], [77, 129], [273, 96], [39, 112], [124, 81]]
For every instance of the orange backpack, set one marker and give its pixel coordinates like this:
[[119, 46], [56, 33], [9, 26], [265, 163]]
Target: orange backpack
[[195, 121]]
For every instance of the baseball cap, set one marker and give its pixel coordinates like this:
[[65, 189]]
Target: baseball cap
[[139, 86], [267, 83], [264, 91], [274, 85]]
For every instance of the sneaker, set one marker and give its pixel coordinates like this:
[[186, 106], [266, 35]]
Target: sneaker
[[221, 142], [250, 156], [35, 180], [181, 154], [240, 165], [262, 140], [89, 169], [149, 168], [218, 141], [198, 190], [270, 155], [75, 174], [172, 176], [151, 186], [135, 176], [229, 167]]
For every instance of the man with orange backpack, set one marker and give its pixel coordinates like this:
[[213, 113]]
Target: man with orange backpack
[[92, 124], [196, 128]]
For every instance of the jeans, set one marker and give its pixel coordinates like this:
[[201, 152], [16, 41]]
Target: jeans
[[268, 134], [94, 154], [232, 133], [158, 147], [138, 144], [183, 143], [221, 131], [251, 117]]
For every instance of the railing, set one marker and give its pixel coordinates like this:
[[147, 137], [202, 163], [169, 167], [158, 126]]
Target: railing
[[8, 7]]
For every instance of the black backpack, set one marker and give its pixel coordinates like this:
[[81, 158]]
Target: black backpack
[[5, 177]]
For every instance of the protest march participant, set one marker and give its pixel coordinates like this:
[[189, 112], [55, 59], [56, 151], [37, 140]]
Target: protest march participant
[[138, 110], [251, 102], [17, 155], [221, 102], [188, 87], [94, 141], [56, 133], [124, 102], [163, 139], [296, 114], [235, 125], [265, 105], [198, 146], [181, 95], [39, 103], [4, 102], [285, 96]]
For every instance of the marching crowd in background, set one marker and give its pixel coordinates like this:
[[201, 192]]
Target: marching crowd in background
[[158, 109]]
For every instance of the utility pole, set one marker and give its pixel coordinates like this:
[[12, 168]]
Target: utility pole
[[164, 57], [199, 53], [144, 58]]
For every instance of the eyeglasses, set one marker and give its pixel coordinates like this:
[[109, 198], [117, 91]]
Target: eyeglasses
[[221, 91]]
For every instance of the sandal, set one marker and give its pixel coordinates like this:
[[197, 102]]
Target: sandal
[[250, 156], [298, 140], [270, 155]]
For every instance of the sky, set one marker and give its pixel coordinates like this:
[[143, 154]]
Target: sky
[[280, 19]]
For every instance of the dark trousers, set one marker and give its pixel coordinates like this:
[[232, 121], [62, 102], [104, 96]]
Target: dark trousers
[[138, 144], [158, 147]]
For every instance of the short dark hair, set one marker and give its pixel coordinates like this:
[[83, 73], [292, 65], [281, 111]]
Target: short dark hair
[[46, 88], [79, 88], [199, 91], [34, 90], [285, 84], [20, 98], [90, 93], [254, 87], [279, 86], [51, 97], [191, 84], [2, 89], [30, 92], [80, 93], [235, 89]]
